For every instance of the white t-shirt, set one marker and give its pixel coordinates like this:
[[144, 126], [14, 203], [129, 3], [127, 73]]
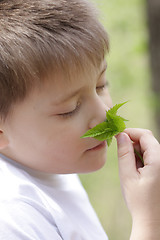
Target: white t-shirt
[[40, 206]]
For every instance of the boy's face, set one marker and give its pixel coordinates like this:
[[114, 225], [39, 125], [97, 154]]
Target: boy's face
[[44, 130]]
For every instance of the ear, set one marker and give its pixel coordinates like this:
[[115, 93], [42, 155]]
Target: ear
[[3, 140]]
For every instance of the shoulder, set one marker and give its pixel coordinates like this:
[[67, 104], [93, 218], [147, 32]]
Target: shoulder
[[22, 220]]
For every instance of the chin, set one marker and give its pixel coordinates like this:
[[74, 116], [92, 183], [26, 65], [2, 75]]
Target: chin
[[99, 165], [95, 165]]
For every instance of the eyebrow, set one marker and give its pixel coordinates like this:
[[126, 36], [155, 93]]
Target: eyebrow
[[103, 70], [73, 94]]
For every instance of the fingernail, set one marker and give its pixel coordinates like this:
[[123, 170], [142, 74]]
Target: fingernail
[[121, 138]]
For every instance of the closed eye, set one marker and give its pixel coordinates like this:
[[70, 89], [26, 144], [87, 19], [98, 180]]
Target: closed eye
[[102, 87], [71, 113]]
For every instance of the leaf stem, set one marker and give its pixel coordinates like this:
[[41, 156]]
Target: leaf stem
[[139, 155]]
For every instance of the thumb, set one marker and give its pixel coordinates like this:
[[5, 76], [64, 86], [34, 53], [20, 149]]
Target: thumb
[[126, 157]]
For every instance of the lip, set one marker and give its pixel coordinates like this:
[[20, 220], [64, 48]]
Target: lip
[[98, 147]]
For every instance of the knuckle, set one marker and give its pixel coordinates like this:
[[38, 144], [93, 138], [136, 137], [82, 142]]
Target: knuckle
[[149, 132], [123, 153]]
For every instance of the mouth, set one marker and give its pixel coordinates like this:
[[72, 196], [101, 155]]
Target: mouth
[[98, 147]]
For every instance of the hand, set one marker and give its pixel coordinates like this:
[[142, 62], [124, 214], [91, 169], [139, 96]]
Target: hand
[[141, 183]]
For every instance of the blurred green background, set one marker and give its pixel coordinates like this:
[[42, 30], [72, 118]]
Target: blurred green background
[[130, 79]]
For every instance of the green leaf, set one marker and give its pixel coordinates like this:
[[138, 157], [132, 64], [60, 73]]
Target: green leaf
[[98, 130], [113, 125], [118, 123], [107, 135], [109, 141], [115, 108]]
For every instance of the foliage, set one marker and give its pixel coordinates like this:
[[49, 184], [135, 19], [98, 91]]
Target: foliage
[[129, 78], [112, 126]]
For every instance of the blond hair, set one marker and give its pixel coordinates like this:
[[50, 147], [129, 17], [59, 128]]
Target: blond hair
[[39, 36]]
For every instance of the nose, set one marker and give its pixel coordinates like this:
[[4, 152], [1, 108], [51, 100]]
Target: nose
[[99, 109]]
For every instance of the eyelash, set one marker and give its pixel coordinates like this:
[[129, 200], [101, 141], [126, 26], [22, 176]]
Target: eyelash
[[101, 88], [69, 114]]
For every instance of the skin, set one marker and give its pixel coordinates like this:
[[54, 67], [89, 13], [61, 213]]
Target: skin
[[141, 184], [43, 132]]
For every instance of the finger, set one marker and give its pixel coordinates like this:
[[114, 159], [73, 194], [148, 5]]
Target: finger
[[139, 157], [144, 137], [137, 146], [126, 156], [149, 146]]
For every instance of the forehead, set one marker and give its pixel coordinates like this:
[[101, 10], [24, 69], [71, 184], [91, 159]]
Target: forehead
[[66, 87], [59, 88], [76, 73]]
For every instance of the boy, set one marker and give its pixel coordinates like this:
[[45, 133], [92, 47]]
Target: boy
[[52, 79]]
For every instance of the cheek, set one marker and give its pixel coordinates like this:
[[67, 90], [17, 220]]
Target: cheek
[[66, 143]]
